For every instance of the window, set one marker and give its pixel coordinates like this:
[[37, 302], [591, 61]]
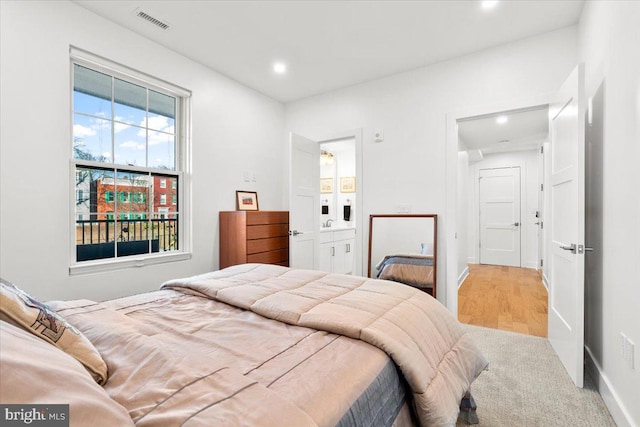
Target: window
[[127, 133], [174, 199]]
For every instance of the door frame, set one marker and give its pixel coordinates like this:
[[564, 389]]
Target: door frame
[[356, 134], [543, 153], [451, 209]]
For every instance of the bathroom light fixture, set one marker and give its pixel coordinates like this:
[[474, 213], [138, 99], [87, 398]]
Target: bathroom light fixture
[[502, 120], [326, 158], [489, 4], [280, 67]]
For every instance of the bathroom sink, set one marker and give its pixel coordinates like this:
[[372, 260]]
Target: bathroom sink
[[337, 228]]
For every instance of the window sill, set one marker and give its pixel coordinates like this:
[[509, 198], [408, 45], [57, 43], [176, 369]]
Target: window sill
[[100, 266]]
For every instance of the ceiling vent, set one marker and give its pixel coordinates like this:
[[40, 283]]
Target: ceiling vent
[[155, 21]]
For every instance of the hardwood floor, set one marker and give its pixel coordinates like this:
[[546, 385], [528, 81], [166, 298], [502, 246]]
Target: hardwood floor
[[508, 298]]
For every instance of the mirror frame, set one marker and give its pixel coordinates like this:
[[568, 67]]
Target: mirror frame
[[372, 217]]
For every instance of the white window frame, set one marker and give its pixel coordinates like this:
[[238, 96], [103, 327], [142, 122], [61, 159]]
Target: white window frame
[[182, 172]]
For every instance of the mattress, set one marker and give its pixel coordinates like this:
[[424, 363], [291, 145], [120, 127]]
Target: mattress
[[267, 345], [301, 376]]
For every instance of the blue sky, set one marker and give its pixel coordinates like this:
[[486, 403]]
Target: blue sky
[[92, 121]]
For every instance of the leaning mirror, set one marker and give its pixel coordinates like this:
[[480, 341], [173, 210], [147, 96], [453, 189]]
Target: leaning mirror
[[402, 248]]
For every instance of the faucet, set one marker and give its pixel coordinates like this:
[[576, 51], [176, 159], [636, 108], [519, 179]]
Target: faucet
[[328, 223]]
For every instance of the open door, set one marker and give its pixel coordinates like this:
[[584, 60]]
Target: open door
[[566, 240], [304, 201]]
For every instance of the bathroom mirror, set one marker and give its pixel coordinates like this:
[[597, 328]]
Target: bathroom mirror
[[403, 248]]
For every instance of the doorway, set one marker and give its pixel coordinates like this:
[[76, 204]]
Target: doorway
[[332, 212], [502, 288], [564, 209]]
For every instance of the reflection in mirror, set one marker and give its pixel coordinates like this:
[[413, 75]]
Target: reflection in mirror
[[402, 248]]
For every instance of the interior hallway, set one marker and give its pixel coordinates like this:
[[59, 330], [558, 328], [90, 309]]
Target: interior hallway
[[508, 298]]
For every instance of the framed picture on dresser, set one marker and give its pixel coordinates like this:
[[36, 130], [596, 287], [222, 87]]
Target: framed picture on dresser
[[246, 201]]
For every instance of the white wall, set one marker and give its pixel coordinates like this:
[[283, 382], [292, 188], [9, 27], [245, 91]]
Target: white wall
[[233, 129], [409, 167], [529, 185], [609, 46]]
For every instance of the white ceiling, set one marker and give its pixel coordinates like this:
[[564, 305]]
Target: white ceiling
[[332, 44], [524, 129]]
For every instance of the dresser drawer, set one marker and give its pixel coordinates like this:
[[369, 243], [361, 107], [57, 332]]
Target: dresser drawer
[[267, 217], [264, 245], [272, 257], [266, 231]]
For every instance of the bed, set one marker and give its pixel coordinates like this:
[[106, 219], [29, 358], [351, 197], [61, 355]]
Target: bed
[[415, 270], [248, 345]]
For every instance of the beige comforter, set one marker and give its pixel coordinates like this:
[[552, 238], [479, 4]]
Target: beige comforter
[[177, 359], [435, 354]]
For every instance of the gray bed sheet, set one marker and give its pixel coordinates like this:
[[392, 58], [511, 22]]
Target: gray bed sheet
[[381, 403]]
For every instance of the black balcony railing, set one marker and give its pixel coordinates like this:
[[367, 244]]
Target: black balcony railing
[[97, 238]]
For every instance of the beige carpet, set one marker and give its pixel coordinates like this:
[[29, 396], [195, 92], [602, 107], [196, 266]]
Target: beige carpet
[[526, 385]]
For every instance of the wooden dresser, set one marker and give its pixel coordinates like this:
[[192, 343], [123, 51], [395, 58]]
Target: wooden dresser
[[254, 236]]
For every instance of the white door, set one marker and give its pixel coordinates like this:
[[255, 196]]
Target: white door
[[500, 216], [566, 281], [304, 202]]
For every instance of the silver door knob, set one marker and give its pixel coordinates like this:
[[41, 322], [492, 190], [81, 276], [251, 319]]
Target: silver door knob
[[571, 248], [295, 232], [516, 224], [587, 249]]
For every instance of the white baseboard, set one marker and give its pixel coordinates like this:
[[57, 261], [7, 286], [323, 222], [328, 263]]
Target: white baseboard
[[545, 281], [463, 276], [472, 260], [530, 264], [617, 410]]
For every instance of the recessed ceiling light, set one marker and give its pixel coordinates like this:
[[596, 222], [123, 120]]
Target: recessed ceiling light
[[489, 4], [280, 67], [502, 120]]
